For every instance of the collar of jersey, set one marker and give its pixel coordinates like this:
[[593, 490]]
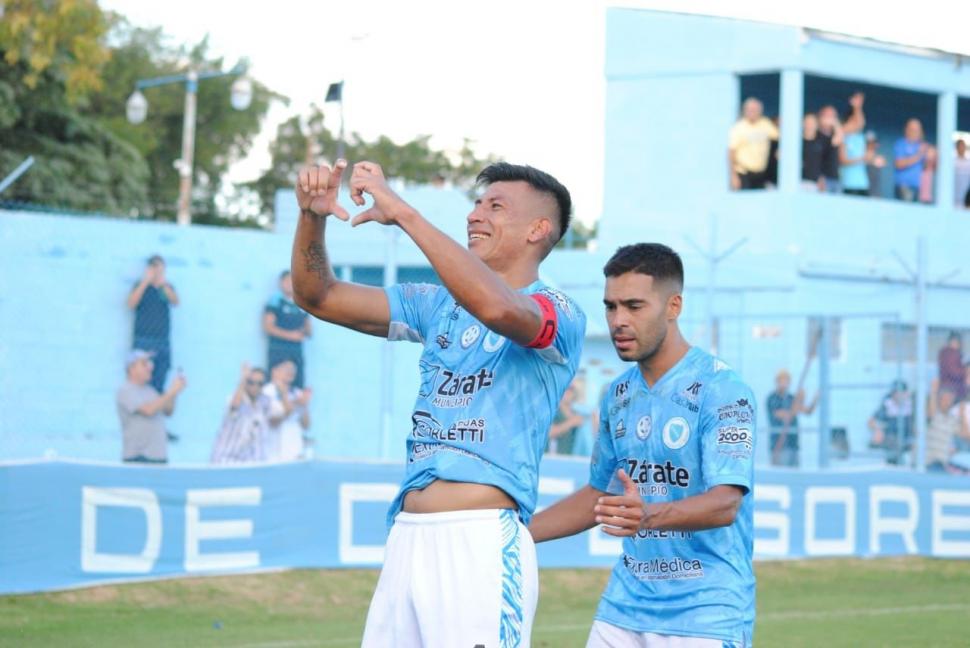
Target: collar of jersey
[[688, 357]]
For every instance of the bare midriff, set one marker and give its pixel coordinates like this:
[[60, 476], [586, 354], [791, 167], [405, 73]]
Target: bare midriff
[[441, 495]]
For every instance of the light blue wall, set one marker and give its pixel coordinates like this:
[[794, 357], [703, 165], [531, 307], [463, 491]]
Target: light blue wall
[[672, 93], [65, 328]]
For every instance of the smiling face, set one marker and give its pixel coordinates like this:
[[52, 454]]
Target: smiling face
[[511, 219], [640, 312]]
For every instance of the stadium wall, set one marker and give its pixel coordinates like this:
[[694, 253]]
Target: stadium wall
[[67, 524]]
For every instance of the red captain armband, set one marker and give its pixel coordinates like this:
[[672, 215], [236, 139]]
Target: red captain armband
[[550, 322]]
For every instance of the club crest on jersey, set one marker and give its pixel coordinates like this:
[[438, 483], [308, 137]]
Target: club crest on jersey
[[492, 342], [676, 433], [644, 427], [470, 336]]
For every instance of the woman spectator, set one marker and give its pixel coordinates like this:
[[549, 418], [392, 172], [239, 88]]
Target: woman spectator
[[854, 154]]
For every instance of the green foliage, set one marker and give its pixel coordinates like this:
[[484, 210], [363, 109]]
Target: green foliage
[[300, 141], [69, 71]]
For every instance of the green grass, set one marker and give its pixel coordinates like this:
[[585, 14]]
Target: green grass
[[852, 603]]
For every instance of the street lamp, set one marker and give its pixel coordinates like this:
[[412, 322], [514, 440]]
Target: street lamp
[[136, 110]]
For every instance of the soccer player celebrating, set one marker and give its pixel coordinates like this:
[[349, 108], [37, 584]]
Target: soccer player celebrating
[[671, 473], [500, 348]]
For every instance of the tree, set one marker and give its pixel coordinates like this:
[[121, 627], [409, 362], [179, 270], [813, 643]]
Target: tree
[[223, 135], [70, 69], [55, 52], [301, 141]]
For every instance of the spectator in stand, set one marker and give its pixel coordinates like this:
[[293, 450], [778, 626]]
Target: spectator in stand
[[813, 149], [854, 155], [749, 144], [783, 410], [910, 153], [142, 411], [961, 180], [830, 132], [242, 435], [151, 299], [926, 177], [892, 424], [289, 418], [566, 423], [286, 325], [875, 165], [950, 367], [946, 417]]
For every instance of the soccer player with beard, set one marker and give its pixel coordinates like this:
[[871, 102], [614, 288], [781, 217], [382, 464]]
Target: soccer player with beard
[[671, 473]]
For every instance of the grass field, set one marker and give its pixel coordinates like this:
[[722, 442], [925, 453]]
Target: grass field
[[888, 602]]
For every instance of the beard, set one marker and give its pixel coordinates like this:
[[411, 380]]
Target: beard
[[653, 345]]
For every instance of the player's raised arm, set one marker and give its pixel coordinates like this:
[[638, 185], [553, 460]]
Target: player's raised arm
[[315, 288], [473, 284]]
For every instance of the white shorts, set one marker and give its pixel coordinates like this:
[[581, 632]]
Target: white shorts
[[606, 635], [457, 579]]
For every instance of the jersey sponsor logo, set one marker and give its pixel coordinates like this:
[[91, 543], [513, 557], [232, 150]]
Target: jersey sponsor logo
[[676, 433], [470, 336], [561, 300], [684, 402], [660, 534], [621, 389], [458, 390], [740, 411], [644, 426], [655, 478], [429, 374], [420, 451], [492, 342], [423, 425], [735, 437], [619, 405], [673, 568], [688, 398], [620, 430]]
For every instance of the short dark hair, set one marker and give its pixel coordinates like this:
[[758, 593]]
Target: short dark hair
[[284, 275], [156, 258], [538, 180], [653, 259]]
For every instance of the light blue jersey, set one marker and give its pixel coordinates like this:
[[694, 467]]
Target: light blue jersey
[[485, 403], [693, 430]]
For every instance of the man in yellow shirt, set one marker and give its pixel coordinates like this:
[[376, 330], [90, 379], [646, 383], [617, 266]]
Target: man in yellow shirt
[[749, 145]]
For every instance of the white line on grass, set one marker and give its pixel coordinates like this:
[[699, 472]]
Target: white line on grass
[[792, 615]]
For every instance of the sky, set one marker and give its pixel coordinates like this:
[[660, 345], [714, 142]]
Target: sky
[[522, 79]]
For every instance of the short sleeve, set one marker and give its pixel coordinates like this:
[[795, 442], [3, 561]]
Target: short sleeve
[[899, 149], [603, 463], [130, 400], [272, 306], [727, 422], [412, 306], [771, 129], [567, 344]]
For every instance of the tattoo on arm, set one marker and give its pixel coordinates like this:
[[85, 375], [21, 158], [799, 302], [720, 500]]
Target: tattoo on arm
[[316, 260]]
